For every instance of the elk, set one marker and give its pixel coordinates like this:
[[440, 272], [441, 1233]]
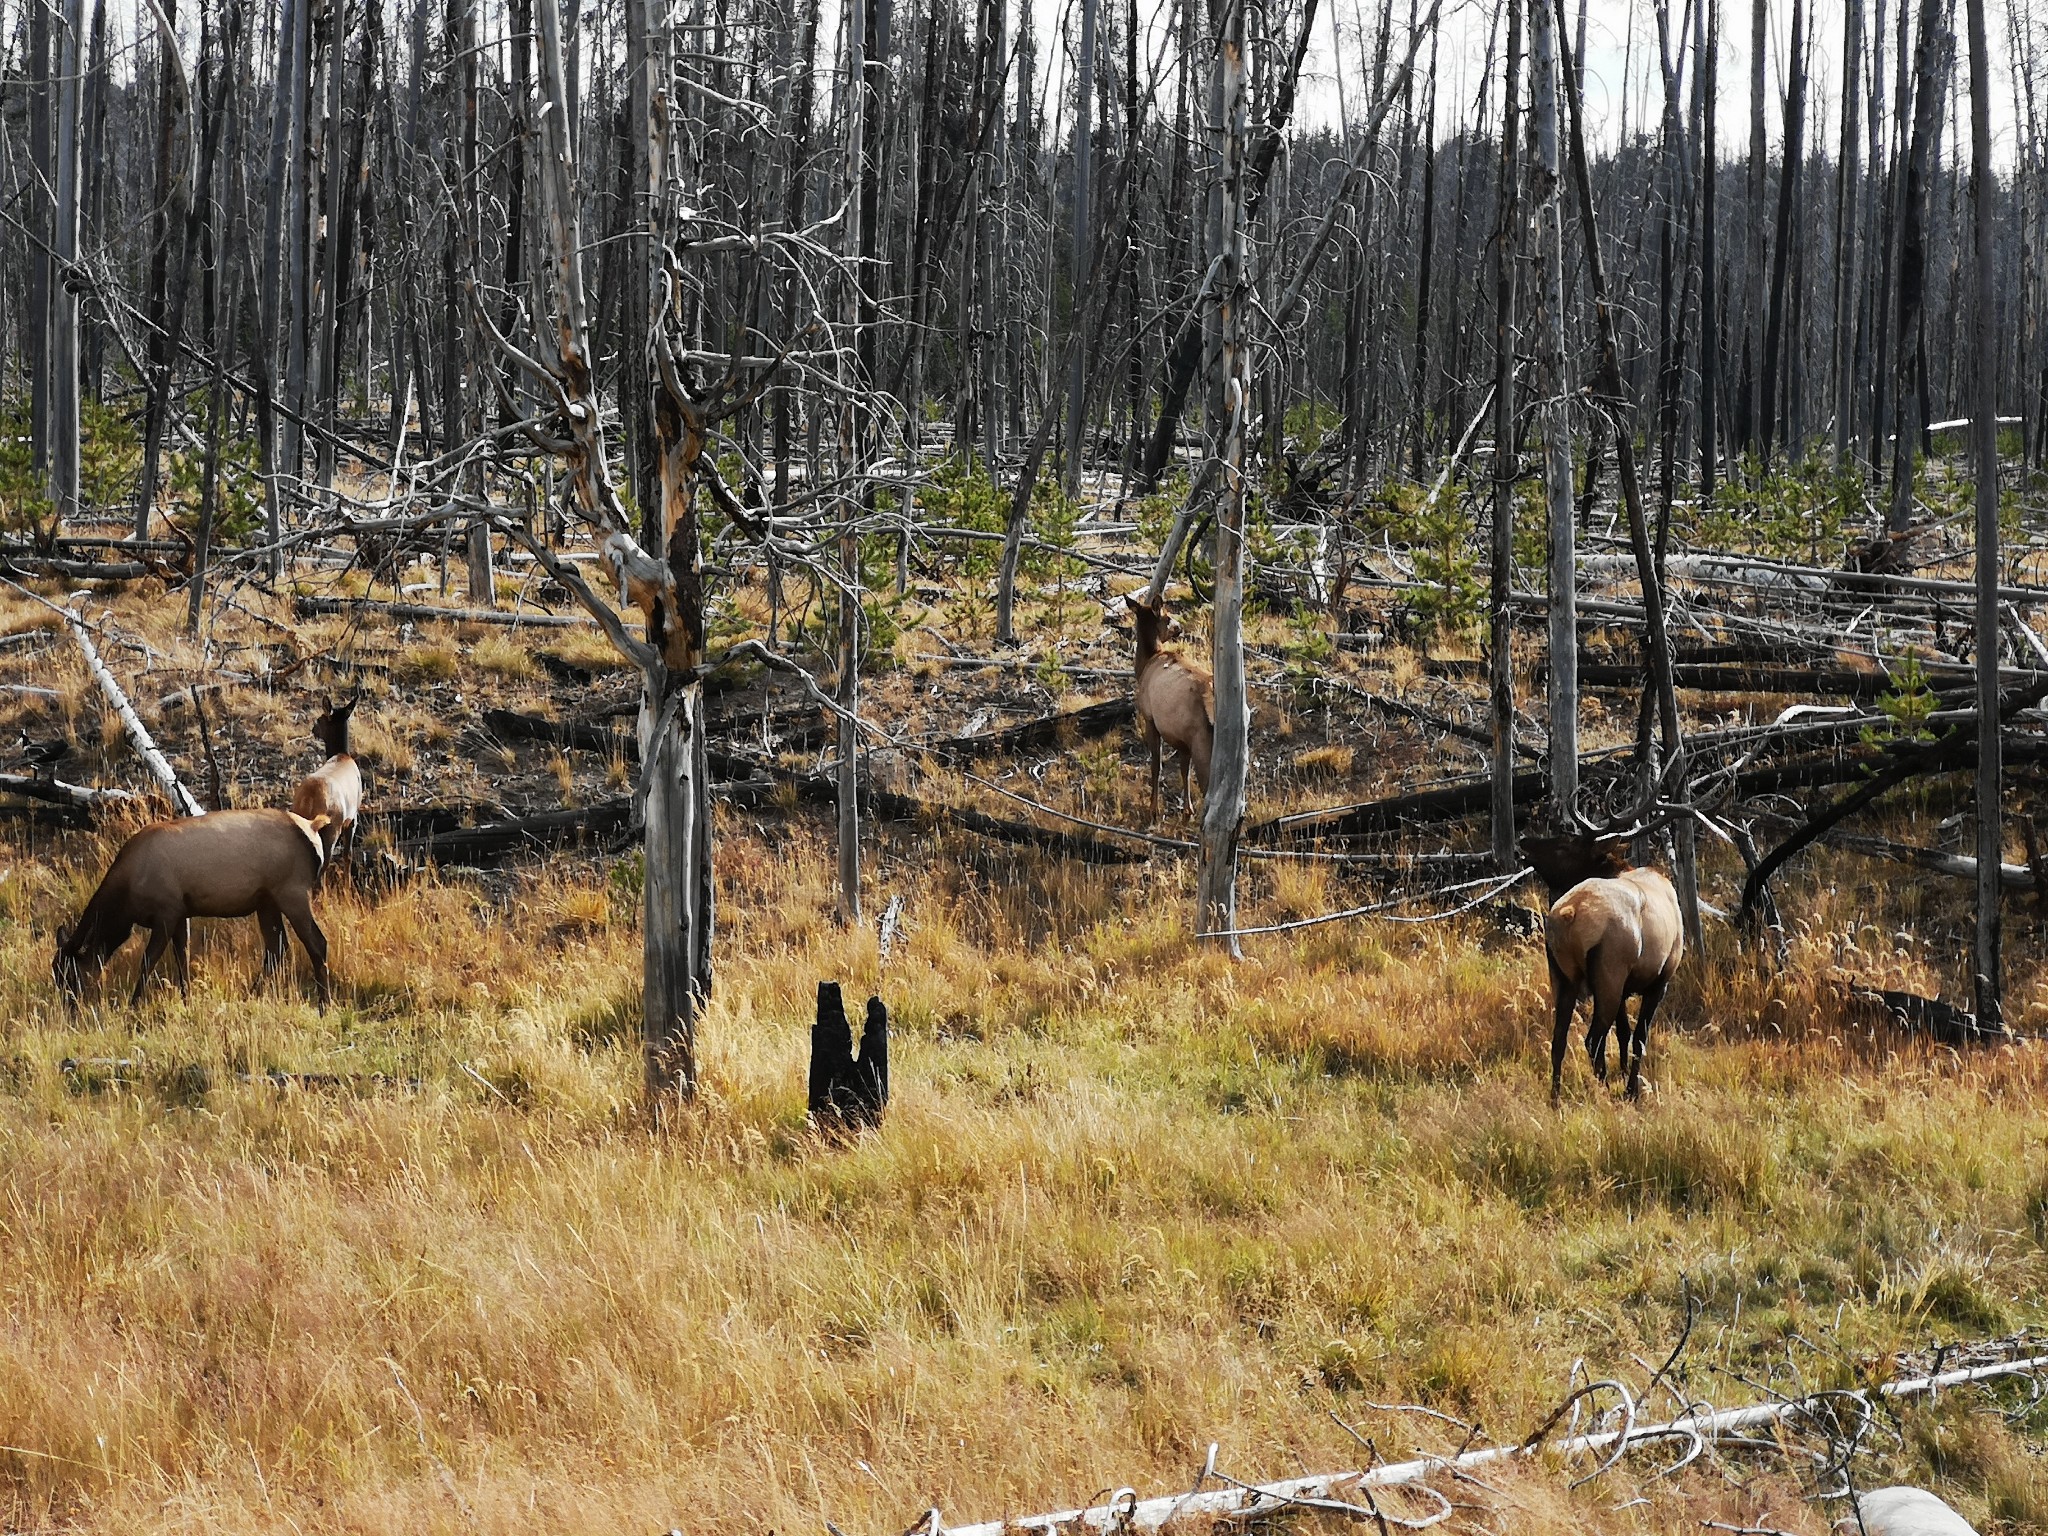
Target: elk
[[224, 864], [333, 792], [1176, 700], [1616, 933]]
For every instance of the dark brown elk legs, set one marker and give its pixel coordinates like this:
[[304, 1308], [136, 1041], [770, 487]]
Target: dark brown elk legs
[[271, 921], [1152, 743], [181, 944], [1652, 996], [1566, 998], [299, 913], [159, 941]]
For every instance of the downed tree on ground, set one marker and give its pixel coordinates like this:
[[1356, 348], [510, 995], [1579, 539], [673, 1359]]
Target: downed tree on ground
[[1038, 735], [58, 792], [1908, 759], [427, 613], [1944, 1023], [153, 759], [1332, 1491], [510, 725]]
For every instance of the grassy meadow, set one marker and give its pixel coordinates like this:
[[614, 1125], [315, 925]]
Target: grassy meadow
[[1130, 1198]]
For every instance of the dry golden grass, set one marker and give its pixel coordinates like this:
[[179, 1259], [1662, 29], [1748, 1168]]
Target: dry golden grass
[[1130, 1198], [504, 657]]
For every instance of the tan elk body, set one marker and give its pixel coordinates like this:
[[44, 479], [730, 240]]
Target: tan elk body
[[226, 864], [1616, 938], [1176, 700], [334, 790]]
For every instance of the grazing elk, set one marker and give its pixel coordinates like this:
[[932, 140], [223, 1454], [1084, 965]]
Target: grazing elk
[[334, 790], [1176, 700], [1616, 933], [225, 864]]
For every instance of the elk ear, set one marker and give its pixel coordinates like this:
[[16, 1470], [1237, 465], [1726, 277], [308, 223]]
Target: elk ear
[[1135, 603], [63, 935]]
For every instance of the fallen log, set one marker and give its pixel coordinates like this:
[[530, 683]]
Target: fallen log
[[1941, 1022], [58, 792], [1907, 760], [158, 765], [492, 841], [510, 725], [1037, 735], [1440, 802], [1128, 1512], [886, 805], [2014, 877], [30, 566], [427, 613]]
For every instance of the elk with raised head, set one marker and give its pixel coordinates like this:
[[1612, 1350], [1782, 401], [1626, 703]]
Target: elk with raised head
[[1615, 933], [1176, 699], [224, 864], [334, 790]]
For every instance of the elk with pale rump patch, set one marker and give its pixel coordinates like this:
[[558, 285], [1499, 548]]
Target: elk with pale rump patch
[[1616, 935], [1176, 700], [334, 790], [225, 864]]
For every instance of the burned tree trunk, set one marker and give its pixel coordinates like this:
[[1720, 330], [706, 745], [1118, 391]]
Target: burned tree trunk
[[1223, 805]]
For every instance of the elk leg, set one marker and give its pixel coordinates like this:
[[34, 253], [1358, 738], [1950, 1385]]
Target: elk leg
[[159, 940], [1565, 1000], [271, 921], [299, 912], [1151, 733], [1645, 1011], [181, 939], [1603, 1016], [1187, 804], [1597, 1032]]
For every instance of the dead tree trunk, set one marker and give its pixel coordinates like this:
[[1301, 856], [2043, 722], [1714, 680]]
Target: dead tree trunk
[[668, 592], [1988, 970], [1223, 805], [1613, 395], [1500, 649], [1552, 412], [64, 444]]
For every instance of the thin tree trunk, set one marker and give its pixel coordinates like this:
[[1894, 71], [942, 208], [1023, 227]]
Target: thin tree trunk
[[1083, 246], [1774, 360], [1608, 387], [1989, 973], [1224, 802], [855, 185], [64, 444], [1930, 91], [1500, 610], [1848, 242], [1552, 412], [167, 223]]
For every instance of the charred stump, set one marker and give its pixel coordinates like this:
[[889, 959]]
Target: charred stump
[[848, 1091]]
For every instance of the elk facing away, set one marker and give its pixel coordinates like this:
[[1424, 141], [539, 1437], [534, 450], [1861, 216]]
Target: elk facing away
[[225, 864], [1176, 700], [1617, 936], [334, 790]]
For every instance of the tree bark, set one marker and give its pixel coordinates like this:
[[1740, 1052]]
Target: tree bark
[[63, 356], [1082, 251], [1988, 970], [1500, 609], [1223, 804], [1552, 412]]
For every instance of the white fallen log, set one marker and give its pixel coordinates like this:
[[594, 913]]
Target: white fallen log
[[1903, 1511], [146, 748], [58, 792], [1129, 1513]]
